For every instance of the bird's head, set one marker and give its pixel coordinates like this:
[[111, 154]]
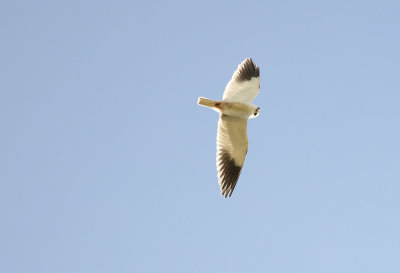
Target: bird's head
[[256, 112]]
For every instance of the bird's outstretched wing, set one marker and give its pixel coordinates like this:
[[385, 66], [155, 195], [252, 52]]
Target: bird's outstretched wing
[[231, 151], [245, 83]]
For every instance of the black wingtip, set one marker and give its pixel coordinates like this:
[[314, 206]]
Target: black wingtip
[[229, 174], [247, 70]]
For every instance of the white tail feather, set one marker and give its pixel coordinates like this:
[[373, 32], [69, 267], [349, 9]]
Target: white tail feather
[[206, 102]]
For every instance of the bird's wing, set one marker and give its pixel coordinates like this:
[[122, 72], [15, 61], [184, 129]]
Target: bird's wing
[[231, 151], [245, 83]]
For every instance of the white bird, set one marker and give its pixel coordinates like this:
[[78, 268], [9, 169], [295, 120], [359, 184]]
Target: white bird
[[235, 109]]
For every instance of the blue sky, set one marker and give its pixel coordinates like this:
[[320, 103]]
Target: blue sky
[[108, 165]]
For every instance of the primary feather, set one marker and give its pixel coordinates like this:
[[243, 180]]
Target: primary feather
[[231, 151], [245, 83]]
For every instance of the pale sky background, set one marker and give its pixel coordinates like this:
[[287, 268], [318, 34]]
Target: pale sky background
[[108, 165]]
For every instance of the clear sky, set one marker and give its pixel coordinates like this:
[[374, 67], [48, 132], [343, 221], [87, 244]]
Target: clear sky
[[108, 164]]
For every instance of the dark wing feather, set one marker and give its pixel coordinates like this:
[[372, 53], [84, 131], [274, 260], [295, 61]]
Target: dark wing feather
[[245, 83], [231, 151]]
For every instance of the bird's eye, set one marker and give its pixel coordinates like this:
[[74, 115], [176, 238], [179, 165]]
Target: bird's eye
[[257, 111]]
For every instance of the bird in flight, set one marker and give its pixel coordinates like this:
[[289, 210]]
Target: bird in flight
[[235, 109]]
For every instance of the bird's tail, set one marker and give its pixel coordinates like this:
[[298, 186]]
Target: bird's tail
[[206, 102]]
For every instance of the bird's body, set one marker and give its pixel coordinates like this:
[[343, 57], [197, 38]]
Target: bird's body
[[231, 108], [235, 109]]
